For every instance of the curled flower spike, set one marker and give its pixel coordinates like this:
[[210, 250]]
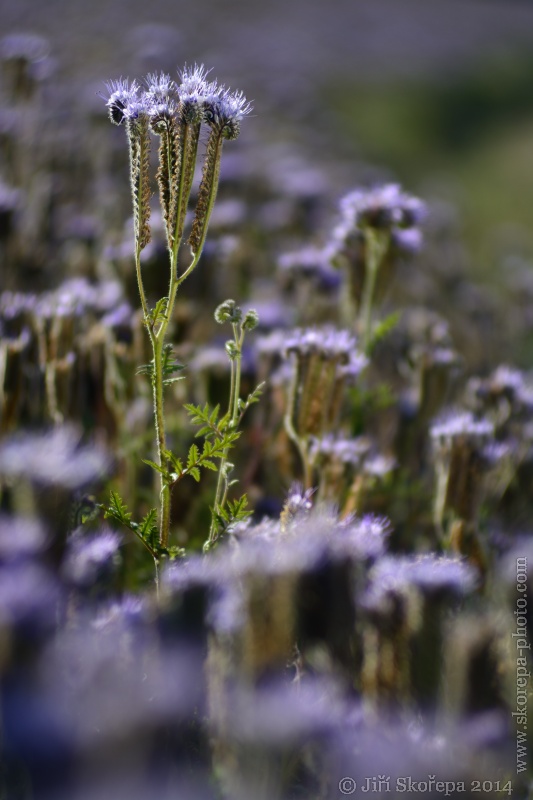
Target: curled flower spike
[[161, 96], [194, 91], [224, 111], [121, 96], [137, 108]]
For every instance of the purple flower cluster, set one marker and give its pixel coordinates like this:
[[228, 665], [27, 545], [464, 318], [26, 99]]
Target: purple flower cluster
[[194, 99], [384, 207]]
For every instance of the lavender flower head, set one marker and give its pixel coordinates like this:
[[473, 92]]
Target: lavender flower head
[[89, 557], [161, 96], [194, 91], [58, 458], [160, 88], [297, 505], [121, 97], [362, 538], [384, 207], [460, 424], [346, 451], [430, 574], [327, 342], [224, 111]]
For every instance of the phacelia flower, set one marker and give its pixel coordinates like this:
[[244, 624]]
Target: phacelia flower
[[224, 111], [160, 88], [461, 424], [161, 96], [121, 97], [383, 207], [194, 91]]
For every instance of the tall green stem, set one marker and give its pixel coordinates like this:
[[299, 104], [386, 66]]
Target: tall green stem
[[376, 245], [233, 414], [164, 518]]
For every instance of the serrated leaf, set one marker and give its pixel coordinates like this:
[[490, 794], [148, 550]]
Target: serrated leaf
[[206, 431], [161, 470], [168, 381], [195, 472], [146, 369], [118, 508], [158, 313], [174, 460], [209, 465], [148, 522], [192, 457]]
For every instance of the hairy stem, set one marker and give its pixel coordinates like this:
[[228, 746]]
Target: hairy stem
[[159, 416], [207, 192]]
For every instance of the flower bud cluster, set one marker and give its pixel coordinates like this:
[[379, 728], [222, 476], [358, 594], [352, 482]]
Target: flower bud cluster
[[194, 99], [175, 111]]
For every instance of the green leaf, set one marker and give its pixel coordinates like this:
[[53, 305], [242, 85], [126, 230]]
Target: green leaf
[[195, 472], [204, 432], [192, 458], [158, 314], [206, 418], [161, 470], [169, 364], [174, 460], [148, 523], [146, 369], [383, 328], [168, 381], [117, 509], [209, 464]]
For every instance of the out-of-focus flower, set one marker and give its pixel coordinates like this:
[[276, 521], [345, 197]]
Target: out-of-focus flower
[[57, 458], [89, 558], [384, 207], [20, 538]]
